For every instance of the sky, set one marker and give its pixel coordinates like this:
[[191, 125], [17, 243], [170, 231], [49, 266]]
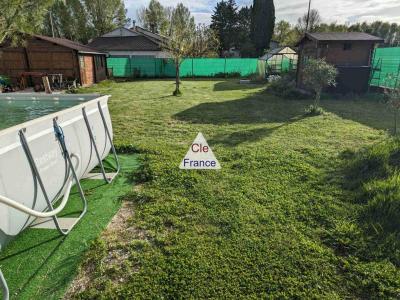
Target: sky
[[340, 11]]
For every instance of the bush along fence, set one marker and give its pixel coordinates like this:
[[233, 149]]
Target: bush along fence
[[148, 67], [386, 68]]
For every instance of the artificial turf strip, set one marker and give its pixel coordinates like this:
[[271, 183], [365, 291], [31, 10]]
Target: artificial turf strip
[[275, 222], [40, 264]]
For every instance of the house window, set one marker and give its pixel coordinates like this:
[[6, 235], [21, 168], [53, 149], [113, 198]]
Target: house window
[[347, 46]]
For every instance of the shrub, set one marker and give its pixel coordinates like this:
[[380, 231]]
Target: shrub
[[314, 110], [319, 74], [284, 86]]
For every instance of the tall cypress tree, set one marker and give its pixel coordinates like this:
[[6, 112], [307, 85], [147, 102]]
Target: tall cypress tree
[[263, 24]]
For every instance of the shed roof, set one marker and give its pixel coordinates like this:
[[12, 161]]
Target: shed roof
[[126, 43], [342, 36], [69, 44]]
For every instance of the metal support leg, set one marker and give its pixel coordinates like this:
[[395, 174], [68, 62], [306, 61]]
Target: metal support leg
[[93, 142], [4, 287], [37, 177]]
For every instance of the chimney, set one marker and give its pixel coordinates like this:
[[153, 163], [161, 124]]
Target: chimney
[[133, 24]]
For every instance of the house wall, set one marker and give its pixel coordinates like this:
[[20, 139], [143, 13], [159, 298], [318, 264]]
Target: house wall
[[46, 57], [352, 62], [86, 64], [12, 63], [38, 56], [359, 54]]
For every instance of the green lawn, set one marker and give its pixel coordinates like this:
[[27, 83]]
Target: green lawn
[[40, 263], [276, 221]]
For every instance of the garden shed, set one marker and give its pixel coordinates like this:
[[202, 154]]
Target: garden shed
[[50, 56], [350, 52]]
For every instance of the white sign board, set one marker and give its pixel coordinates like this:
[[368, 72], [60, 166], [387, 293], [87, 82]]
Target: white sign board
[[200, 156]]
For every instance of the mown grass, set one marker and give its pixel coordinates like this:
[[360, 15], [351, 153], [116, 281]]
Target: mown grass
[[282, 219]]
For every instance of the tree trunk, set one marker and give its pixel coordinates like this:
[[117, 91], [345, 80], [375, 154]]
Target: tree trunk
[[177, 78], [317, 98]]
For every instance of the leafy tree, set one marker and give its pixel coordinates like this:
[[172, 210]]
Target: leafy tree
[[181, 39], [243, 37], [389, 32], [69, 20], [319, 74], [281, 31], [81, 20], [21, 16], [105, 15], [155, 17], [205, 42], [263, 24], [224, 21], [313, 21], [187, 40]]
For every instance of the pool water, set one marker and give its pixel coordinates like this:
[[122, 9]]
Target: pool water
[[13, 112]]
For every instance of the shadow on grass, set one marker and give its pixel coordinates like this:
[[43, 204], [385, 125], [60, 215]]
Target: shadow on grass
[[233, 85], [253, 135], [258, 108], [370, 112]]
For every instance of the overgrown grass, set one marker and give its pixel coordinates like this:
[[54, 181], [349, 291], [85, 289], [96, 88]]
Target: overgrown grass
[[284, 218]]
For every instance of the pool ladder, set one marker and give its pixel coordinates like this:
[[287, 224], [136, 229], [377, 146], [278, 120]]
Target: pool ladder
[[52, 213]]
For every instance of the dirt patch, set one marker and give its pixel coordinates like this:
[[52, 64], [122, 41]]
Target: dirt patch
[[118, 232]]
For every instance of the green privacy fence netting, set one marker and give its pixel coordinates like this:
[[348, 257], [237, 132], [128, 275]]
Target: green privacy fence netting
[[386, 67], [142, 67]]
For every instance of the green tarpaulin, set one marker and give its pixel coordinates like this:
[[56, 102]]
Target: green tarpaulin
[[142, 67], [386, 67]]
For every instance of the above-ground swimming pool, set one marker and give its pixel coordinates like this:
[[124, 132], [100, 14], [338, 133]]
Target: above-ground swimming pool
[[34, 116], [47, 143], [19, 108]]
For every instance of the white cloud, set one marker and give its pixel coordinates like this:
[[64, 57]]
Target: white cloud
[[340, 11]]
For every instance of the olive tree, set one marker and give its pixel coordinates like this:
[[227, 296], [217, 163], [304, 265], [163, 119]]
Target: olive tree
[[318, 74], [180, 39], [186, 40]]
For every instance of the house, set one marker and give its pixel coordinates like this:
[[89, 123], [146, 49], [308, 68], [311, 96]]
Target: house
[[350, 52], [136, 41], [281, 59], [43, 54]]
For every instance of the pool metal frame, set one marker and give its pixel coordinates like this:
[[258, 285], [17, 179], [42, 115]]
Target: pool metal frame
[[60, 136]]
